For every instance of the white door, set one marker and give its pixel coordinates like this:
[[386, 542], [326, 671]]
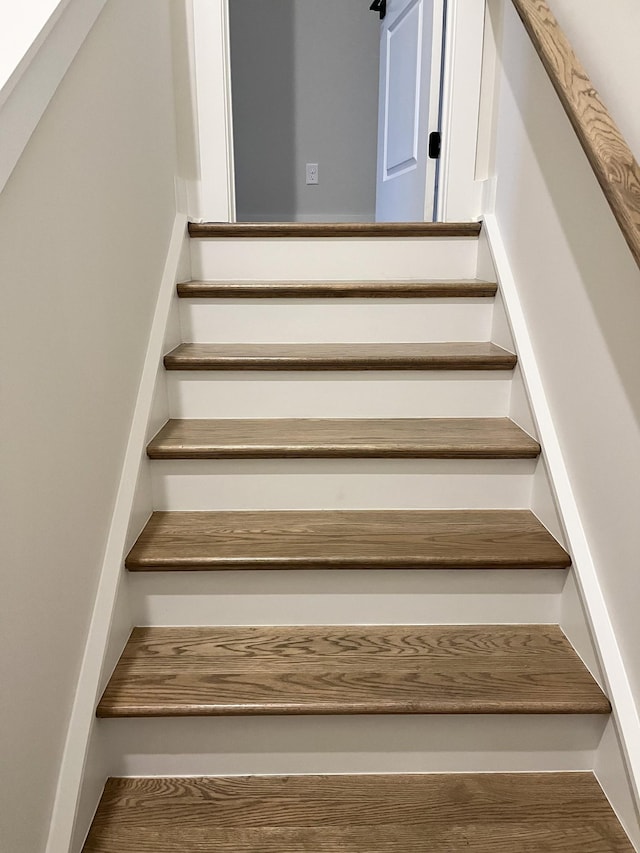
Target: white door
[[410, 72]]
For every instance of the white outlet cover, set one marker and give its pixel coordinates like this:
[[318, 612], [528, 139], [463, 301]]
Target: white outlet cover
[[312, 174]]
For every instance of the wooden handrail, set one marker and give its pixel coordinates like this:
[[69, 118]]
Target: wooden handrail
[[613, 163]]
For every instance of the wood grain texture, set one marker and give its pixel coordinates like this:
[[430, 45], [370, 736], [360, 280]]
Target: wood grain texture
[[438, 813], [441, 669], [418, 438], [503, 836], [611, 158], [336, 289], [345, 539], [397, 356], [334, 229]]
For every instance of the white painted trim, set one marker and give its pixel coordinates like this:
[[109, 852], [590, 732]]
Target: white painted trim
[[459, 194], [397, 597], [437, 51], [358, 743], [27, 93], [83, 712], [616, 680], [228, 111], [489, 92], [355, 259], [212, 198], [612, 775]]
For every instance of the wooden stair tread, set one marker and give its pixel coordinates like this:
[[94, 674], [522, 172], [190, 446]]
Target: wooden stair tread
[[432, 438], [441, 669], [334, 229], [431, 356], [337, 289], [399, 813], [346, 539]]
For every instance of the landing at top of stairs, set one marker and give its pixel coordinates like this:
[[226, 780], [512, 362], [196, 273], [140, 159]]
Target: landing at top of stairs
[[337, 289], [334, 229]]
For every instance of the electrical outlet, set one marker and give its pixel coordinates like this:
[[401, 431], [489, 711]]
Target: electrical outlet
[[312, 174]]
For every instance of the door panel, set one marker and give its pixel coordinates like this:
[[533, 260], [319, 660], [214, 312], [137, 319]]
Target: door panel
[[410, 60], [404, 39]]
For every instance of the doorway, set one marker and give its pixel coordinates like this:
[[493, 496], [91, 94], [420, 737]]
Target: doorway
[[333, 107]]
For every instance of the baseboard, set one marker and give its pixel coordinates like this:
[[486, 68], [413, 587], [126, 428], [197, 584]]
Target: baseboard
[[75, 764], [625, 712]]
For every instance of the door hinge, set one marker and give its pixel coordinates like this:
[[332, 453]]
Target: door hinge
[[435, 145], [379, 6]]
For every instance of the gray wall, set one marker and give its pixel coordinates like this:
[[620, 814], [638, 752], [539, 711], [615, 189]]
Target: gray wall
[[305, 90]]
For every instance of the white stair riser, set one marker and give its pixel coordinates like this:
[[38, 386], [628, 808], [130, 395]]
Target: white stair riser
[[191, 485], [404, 597], [335, 321], [367, 259], [358, 744], [429, 394]]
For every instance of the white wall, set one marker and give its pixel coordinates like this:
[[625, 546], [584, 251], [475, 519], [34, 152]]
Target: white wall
[[85, 221], [305, 89], [20, 26], [606, 38], [580, 291]]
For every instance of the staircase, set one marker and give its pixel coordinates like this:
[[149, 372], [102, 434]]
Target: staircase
[[345, 569]]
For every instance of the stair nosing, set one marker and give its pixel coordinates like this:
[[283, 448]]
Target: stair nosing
[[134, 564], [340, 289], [349, 230], [594, 708]]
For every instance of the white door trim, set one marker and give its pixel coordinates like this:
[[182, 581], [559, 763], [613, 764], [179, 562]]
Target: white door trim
[[435, 106], [212, 195], [459, 193]]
